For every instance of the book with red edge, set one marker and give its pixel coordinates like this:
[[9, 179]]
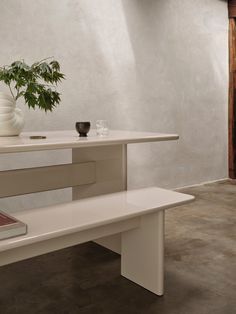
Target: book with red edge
[[10, 226]]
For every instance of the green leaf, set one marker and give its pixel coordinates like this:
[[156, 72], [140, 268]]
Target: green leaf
[[55, 65], [28, 81]]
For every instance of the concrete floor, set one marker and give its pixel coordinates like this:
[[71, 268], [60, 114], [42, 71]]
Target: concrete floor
[[200, 272]]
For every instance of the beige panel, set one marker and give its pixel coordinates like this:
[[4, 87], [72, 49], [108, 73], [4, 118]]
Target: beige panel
[[111, 176], [31, 180], [70, 139], [142, 254], [111, 173], [54, 244]]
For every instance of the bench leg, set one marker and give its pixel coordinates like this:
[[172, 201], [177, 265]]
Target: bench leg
[[142, 253]]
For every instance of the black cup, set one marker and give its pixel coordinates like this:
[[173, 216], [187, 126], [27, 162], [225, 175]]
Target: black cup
[[82, 128]]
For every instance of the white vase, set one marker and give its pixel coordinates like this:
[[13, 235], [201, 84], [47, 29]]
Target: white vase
[[11, 118]]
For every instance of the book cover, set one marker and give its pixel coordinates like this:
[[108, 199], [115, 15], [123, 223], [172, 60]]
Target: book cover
[[10, 226]]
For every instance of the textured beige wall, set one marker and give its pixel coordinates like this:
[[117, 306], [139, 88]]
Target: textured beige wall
[[153, 65]]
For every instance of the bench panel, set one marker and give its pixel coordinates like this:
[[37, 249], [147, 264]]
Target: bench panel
[[138, 215], [63, 219], [38, 248]]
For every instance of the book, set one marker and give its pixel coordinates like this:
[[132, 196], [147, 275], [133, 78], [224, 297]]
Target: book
[[10, 226]]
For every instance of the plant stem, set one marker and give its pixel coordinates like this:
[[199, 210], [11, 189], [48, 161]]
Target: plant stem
[[17, 96], [11, 91], [18, 93], [46, 59], [37, 63]]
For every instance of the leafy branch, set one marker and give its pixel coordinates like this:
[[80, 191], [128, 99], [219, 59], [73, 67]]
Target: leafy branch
[[36, 83]]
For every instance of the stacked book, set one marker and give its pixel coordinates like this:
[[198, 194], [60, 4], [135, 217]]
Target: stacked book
[[10, 226]]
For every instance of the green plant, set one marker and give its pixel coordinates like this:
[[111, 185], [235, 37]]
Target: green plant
[[36, 83]]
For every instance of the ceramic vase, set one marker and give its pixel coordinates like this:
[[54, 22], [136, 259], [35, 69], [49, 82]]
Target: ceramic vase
[[11, 118]]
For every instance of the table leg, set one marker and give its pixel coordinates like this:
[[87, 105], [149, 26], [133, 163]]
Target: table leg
[[111, 176]]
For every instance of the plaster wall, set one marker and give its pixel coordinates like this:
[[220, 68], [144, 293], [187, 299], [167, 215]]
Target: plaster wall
[[153, 65]]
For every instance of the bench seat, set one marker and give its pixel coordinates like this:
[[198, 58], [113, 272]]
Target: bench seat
[[137, 214]]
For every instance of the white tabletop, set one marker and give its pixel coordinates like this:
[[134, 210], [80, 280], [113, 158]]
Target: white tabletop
[[70, 139]]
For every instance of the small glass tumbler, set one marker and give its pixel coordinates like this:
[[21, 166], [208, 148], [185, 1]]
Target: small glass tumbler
[[102, 128]]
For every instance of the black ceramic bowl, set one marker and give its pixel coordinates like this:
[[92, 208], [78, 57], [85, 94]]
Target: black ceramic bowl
[[82, 128]]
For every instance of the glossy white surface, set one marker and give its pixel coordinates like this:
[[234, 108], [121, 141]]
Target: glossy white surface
[[70, 139], [64, 219]]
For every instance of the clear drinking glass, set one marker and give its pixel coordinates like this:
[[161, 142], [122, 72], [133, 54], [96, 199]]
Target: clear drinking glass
[[102, 127]]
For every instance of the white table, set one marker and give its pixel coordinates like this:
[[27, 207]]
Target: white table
[[99, 165]]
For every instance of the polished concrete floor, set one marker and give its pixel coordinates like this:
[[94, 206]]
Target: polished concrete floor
[[200, 272]]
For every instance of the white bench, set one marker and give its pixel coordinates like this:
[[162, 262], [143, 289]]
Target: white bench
[[138, 215]]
